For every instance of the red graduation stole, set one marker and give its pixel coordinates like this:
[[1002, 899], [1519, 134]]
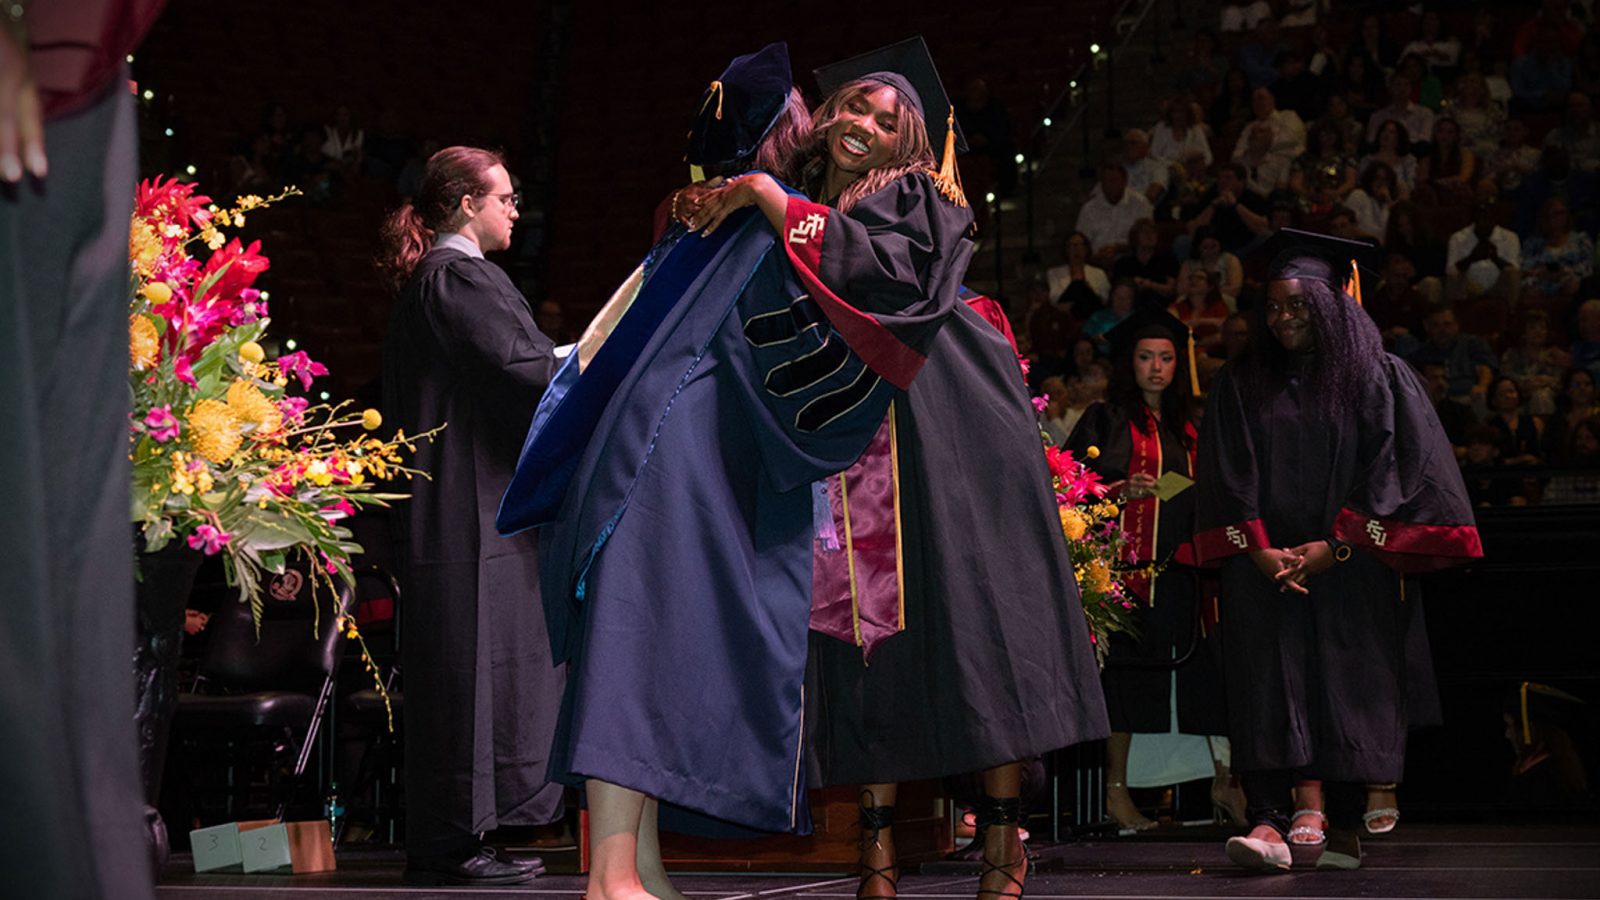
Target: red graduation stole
[[1141, 518]]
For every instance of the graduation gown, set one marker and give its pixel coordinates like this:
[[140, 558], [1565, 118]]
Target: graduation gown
[[481, 689], [671, 479], [1137, 679], [1329, 682], [994, 664]]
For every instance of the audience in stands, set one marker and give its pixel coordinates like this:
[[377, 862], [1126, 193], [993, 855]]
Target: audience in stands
[[1246, 16], [1555, 259], [1107, 216], [1202, 69], [1208, 255], [1535, 362], [1077, 284], [1514, 159], [1483, 257], [1181, 137], [1458, 420], [987, 125], [1258, 56], [1398, 304], [343, 143], [1325, 165], [1486, 487], [1362, 88], [1152, 270], [1412, 233], [1095, 328], [1469, 362], [1416, 119], [1374, 199], [1521, 436], [1556, 177], [1392, 145], [1148, 173], [1578, 134], [1586, 348], [1438, 50], [1288, 131], [1266, 171], [1449, 169], [1296, 89], [1482, 121], [1235, 213], [1372, 45], [1541, 77], [1581, 451], [1230, 108], [1554, 17], [1337, 115]]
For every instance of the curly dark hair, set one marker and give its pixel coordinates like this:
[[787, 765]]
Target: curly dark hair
[[1348, 352]]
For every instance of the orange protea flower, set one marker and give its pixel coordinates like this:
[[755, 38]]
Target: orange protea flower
[[252, 407], [214, 431], [144, 342], [1098, 574], [144, 247], [1073, 524]]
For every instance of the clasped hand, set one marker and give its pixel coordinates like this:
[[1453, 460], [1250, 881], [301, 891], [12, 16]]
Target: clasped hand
[[1291, 567], [21, 119]]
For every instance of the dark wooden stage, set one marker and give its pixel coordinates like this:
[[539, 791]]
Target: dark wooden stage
[[1421, 860]]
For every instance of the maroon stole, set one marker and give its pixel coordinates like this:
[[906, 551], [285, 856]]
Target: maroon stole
[[1141, 518]]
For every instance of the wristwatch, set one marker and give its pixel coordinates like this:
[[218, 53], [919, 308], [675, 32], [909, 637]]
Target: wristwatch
[[1341, 550]]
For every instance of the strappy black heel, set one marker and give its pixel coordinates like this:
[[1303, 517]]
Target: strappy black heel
[[873, 820], [1000, 812]]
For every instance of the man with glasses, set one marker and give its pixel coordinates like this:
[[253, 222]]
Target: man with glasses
[[1325, 480]]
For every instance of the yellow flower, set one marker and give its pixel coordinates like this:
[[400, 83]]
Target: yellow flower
[[213, 238], [1073, 524], [251, 352], [222, 218], [1099, 576], [317, 473], [214, 431], [371, 419], [238, 220], [249, 201], [249, 405], [144, 247], [1093, 452], [1110, 511], [157, 291], [144, 344]]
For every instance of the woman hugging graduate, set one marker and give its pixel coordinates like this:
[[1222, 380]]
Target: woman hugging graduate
[[986, 661]]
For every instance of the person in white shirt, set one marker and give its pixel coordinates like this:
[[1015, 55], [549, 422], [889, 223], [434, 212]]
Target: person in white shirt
[[1078, 251], [1108, 215], [1148, 174], [1483, 257], [1417, 119], [1181, 137], [1288, 130], [1267, 170]]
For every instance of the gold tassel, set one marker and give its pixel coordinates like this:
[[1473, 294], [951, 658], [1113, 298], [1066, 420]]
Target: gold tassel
[[1194, 369], [948, 178], [715, 88], [1355, 282]]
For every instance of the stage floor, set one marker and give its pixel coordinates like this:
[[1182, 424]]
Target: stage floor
[[1420, 861]]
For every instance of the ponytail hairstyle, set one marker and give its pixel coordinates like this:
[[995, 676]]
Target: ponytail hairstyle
[[912, 151], [408, 233]]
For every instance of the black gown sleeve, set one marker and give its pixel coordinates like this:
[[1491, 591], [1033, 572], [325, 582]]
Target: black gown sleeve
[[1228, 520]]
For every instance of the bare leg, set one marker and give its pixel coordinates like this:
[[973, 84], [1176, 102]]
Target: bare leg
[[1310, 821], [1119, 803], [1227, 797], [1005, 859], [878, 870], [652, 873], [615, 814]]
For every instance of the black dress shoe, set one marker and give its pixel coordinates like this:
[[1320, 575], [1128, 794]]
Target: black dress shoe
[[481, 868], [532, 864]]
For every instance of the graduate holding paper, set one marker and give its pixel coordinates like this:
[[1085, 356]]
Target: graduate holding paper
[[1146, 439]]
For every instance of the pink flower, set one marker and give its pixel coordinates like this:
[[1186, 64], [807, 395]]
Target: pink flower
[[1041, 402], [336, 511], [210, 539], [162, 424], [182, 371], [301, 366], [292, 409]]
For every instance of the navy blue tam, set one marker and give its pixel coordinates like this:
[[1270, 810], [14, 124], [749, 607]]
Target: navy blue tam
[[740, 107]]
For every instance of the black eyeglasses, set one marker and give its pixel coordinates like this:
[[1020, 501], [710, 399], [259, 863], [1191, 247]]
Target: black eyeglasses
[[512, 200]]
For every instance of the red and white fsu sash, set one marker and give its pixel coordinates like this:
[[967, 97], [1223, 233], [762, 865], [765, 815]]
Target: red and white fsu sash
[[1141, 518]]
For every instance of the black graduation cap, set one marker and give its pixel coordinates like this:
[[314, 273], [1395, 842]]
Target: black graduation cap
[[908, 66], [1154, 322], [1533, 702], [1318, 257], [740, 107]]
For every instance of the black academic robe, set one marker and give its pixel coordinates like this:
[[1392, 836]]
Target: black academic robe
[[1329, 682], [994, 664], [481, 690], [1172, 621]]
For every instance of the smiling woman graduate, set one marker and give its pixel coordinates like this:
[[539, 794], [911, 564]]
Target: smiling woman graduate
[[1325, 480], [994, 664]]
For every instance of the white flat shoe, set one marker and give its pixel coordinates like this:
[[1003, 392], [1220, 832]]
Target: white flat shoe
[[1262, 856]]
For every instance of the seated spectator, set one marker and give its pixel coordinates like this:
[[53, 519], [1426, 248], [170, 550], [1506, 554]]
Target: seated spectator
[[1363, 89], [1514, 160], [1096, 378], [1521, 435], [1436, 49], [1235, 213], [1337, 116], [1553, 15], [387, 148], [1148, 174], [343, 142], [1372, 201], [1209, 257], [1326, 59], [280, 131], [1541, 78], [1580, 450], [1288, 131], [1556, 259], [1180, 137], [1152, 271], [1468, 361], [1457, 419], [1202, 69], [1050, 331], [1486, 486], [1201, 306], [1258, 56], [1483, 258], [1411, 233], [1372, 45], [1398, 305], [1325, 164], [1393, 146], [1426, 88], [1449, 169], [1577, 401], [1578, 134], [1243, 16], [1535, 362], [1121, 307], [1064, 406], [1266, 170], [308, 168], [1230, 108], [252, 170], [1586, 349], [1481, 120], [1077, 284], [1556, 177], [1300, 13], [1297, 89], [1416, 119], [1341, 223], [1108, 215]]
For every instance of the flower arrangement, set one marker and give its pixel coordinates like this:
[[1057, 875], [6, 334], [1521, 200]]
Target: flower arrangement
[[1096, 544], [224, 458]]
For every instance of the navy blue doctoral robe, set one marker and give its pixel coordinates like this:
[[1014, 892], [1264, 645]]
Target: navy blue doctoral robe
[[671, 480]]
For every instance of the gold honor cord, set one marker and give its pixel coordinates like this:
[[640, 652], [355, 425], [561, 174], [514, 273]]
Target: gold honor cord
[[850, 560], [714, 89]]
